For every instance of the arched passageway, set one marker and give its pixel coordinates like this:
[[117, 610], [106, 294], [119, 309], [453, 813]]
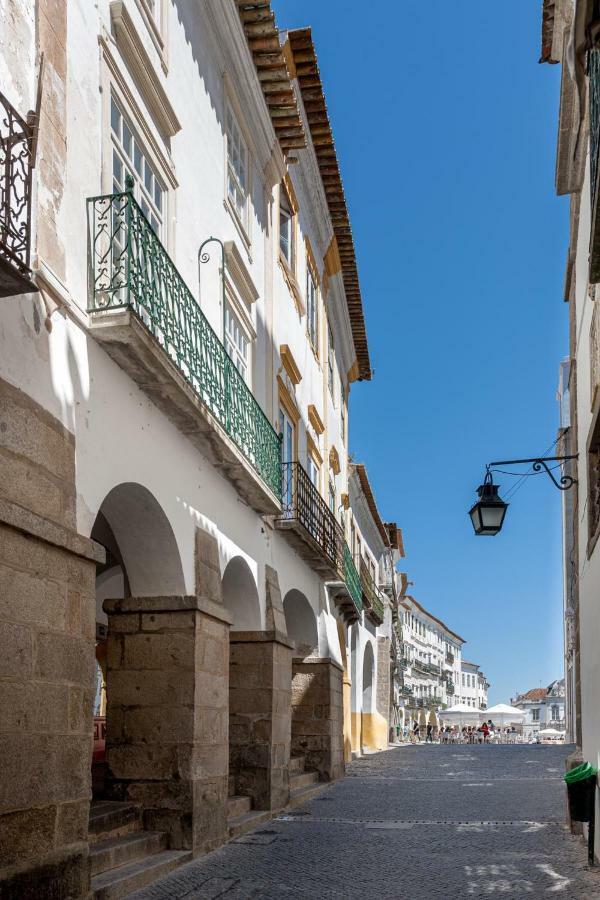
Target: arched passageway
[[301, 623], [142, 560], [240, 595], [368, 699]]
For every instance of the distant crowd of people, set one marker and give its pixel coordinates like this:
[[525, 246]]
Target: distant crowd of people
[[454, 734]]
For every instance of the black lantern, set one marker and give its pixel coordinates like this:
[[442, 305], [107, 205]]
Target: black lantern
[[487, 515]]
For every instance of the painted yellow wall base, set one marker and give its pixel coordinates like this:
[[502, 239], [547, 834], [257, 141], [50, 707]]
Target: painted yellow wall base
[[356, 723], [347, 698], [374, 731]]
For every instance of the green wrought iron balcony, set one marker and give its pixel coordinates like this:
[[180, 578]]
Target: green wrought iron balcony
[[351, 578], [147, 319], [372, 597]]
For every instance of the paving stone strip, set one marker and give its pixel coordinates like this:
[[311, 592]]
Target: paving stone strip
[[405, 828]]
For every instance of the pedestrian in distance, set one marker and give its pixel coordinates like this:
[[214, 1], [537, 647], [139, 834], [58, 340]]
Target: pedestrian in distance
[[429, 735], [416, 732]]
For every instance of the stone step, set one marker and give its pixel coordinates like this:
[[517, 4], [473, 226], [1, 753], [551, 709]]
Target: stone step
[[241, 824], [238, 806], [302, 779], [114, 852], [296, 764], [110, 819], [119, 882], [298, 796]]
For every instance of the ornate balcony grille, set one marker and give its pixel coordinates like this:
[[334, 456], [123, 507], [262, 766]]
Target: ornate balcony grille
[[372, 594], [130, 269], [302, 501], [15, 200], [351, 578]]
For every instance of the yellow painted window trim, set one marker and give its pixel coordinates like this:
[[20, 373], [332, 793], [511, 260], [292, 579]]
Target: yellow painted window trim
[[287, 401], [289, 364], [315, 419]]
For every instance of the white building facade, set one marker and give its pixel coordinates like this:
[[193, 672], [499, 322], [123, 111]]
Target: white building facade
[[473, 689], [543, 708], [180, 325]]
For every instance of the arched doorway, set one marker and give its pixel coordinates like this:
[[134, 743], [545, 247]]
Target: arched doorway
[[142, 560], [368, 699], [355, 703], [301, 623]]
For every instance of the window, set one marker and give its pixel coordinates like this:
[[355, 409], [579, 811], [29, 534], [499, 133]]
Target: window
[[343, 413], [236, 343], [555, 713], [286, 228], [237, 169], [311, 310], [463, 679], [332, 495], [330, 360], [129, 158], [313, 470], [535, 715]]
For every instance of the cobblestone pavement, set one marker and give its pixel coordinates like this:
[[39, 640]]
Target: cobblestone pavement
[[425, 821]]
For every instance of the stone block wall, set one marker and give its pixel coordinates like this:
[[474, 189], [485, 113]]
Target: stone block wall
[[259, 717], [47, 638], [318, 716], [167, 716]]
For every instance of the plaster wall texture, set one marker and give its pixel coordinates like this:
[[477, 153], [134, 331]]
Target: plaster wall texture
[[121, 437]]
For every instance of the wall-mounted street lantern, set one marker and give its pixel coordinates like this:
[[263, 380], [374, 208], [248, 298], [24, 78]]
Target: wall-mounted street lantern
[[488, 512]]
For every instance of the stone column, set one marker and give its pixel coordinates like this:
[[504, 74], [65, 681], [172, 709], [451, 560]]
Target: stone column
[[259, 723], [167, 718], [47, 634], [318, 716], [382, 695]]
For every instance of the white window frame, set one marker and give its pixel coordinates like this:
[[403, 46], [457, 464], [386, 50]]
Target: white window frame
[[286, 207], [330, 362], [155, 14], [232, 343], [242, 221], [156, 213], [312, 309]]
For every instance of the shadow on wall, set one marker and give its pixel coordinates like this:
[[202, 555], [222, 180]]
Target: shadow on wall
[[301, 623], [240, 596]]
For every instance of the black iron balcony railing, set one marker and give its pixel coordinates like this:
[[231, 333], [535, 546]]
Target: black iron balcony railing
[[302, 501], [15, 201], [372, 594], [130, 269], [405, 691], [450, 659]]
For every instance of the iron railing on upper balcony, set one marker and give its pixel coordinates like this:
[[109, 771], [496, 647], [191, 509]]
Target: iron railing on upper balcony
[[351, 577], [302, 501], [15, 187], [130, 269], [371, 591]]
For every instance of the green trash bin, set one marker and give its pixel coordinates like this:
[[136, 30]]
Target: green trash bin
[[581, 786]]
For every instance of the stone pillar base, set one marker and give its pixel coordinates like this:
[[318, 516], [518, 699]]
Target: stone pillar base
[[318, 716], [260, 676], [167, 723]]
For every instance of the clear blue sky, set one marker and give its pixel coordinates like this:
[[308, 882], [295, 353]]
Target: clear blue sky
[[445, 127]]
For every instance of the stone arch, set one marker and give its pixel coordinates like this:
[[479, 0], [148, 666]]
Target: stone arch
[[368, 678], [301, 623], [139, 538], [240, 595]]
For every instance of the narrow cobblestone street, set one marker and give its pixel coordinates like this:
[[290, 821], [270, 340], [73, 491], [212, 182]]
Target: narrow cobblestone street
[[434, 821]]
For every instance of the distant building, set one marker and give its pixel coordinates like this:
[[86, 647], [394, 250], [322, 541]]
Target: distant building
[[543, 708], [473, 688]]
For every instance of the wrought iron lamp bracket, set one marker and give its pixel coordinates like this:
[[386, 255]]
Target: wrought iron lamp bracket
[[539, 464], [204, 257]]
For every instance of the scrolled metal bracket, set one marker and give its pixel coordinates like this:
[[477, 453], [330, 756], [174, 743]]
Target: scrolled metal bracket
[[539, 464], [204, 257]]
